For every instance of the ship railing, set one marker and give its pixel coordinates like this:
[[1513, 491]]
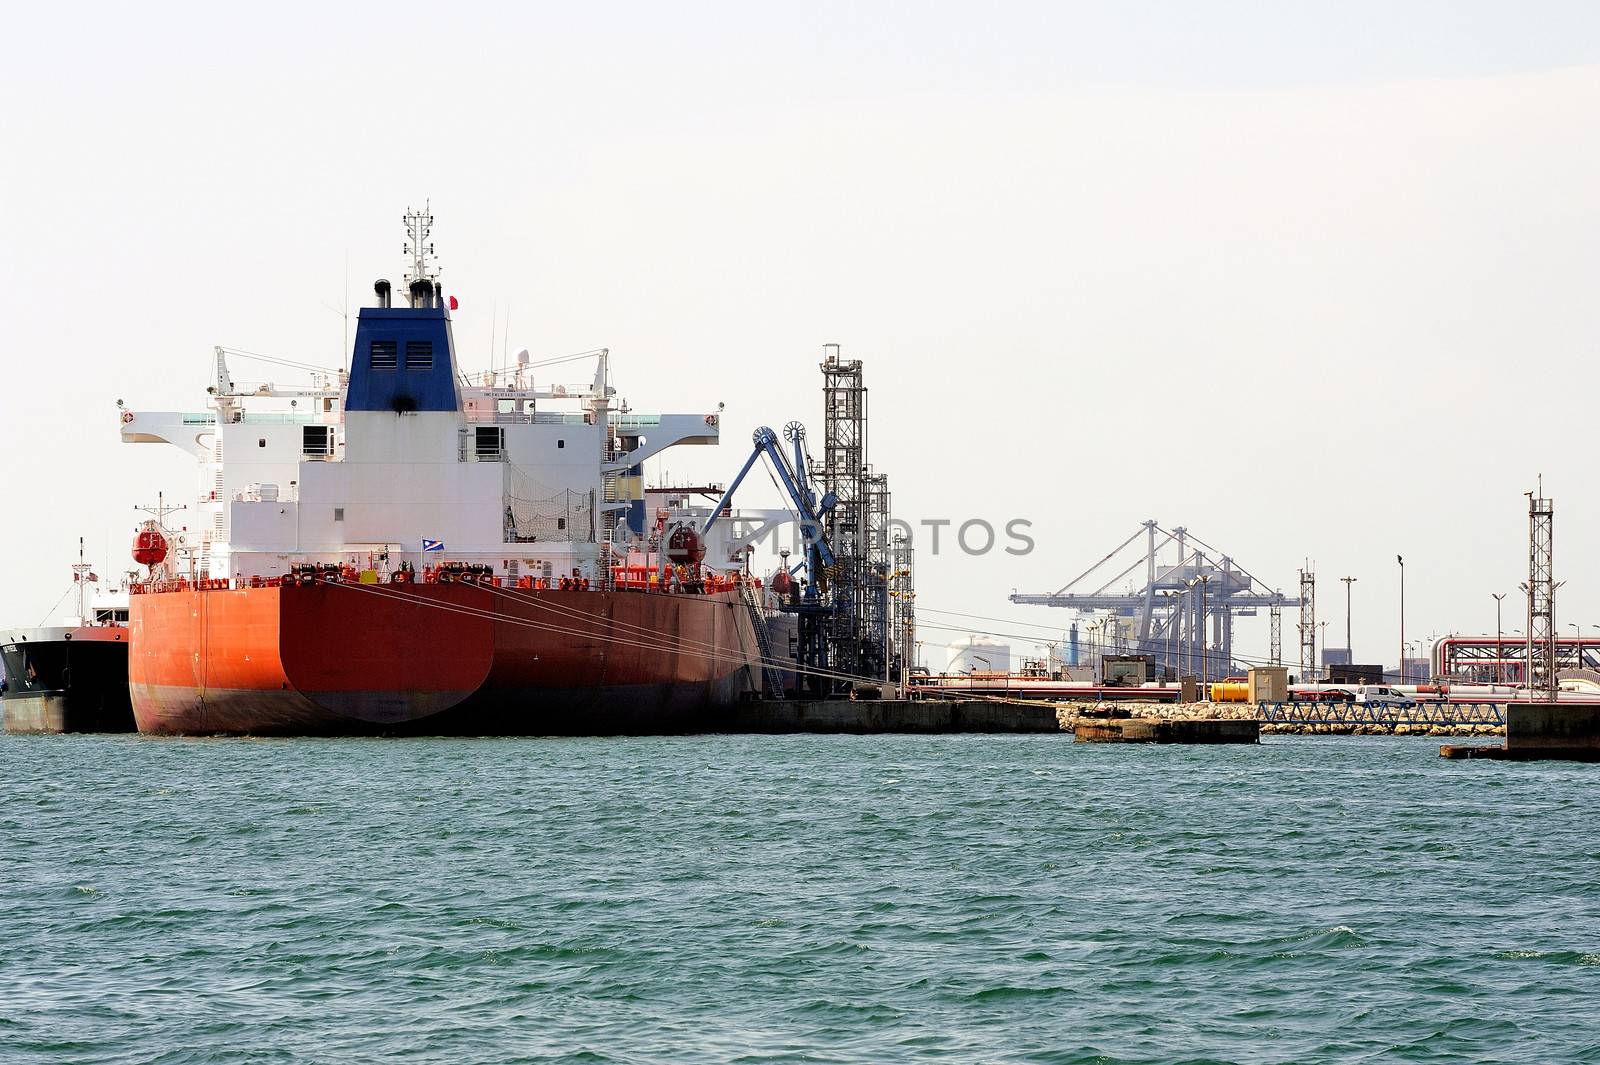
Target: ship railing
[[649, 579], [280, 418], [524, 417], [624, 578]]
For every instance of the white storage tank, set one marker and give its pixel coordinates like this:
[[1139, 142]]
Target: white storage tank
[[980, 654]]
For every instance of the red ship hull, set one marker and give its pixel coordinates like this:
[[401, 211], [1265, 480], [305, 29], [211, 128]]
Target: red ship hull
[[329, 659]]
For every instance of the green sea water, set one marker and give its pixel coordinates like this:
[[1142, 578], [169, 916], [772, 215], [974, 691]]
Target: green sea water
[[792, 899]]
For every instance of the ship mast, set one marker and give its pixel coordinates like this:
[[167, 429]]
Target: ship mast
[[82, 574], [159, 511], [419, 227]]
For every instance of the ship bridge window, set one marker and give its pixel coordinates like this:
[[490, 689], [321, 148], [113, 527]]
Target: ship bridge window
[[385, 355], [419, 354], [316, 440], [489, 443]]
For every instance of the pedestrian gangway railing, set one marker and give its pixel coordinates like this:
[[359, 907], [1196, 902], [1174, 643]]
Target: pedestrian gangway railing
[[1328, 713], [773, 680]]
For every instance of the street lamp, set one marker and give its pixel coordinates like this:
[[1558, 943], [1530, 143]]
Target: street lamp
[[1205, 653], [1401, 672], [1499, 650], [1172, 619], [1184, 637], [1500, 640], [1348, 581]]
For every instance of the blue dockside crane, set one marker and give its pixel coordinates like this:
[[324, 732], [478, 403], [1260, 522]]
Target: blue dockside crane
[[812, 603]]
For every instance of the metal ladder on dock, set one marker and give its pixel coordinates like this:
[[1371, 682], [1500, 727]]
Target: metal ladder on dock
[[773, 681]]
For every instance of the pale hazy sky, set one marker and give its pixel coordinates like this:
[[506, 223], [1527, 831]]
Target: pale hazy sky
[[1315, 280]]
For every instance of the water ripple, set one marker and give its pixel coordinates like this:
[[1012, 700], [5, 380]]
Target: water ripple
[[791, 899]]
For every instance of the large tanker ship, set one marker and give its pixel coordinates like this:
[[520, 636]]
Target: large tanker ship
[[403, 549]]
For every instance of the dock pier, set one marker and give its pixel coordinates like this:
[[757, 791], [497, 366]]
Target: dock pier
[[894, 715], [1541, 732]]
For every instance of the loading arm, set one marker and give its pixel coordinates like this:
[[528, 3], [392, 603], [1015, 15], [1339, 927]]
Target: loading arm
[[766, 443]]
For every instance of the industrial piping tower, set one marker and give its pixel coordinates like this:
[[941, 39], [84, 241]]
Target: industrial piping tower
[[858, 633]]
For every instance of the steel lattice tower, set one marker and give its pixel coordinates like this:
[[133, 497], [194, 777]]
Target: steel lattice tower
[[1308, 625], [1275, 619], [843, 472], [875, 626], [903, 606], [1541, 639]]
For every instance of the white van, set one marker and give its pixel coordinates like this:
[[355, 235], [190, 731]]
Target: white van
[[1379, 695]]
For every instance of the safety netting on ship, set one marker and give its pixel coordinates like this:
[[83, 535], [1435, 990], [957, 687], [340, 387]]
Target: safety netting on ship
[[538, 512]]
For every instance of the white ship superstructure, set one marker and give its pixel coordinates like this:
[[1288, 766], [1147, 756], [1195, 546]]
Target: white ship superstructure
[[401, 460]]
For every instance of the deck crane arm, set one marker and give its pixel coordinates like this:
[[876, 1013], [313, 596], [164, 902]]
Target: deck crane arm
[[224, 378], [765, 442]]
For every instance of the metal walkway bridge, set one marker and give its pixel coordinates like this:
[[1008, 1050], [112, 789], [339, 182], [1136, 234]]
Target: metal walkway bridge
[[1450, 714]]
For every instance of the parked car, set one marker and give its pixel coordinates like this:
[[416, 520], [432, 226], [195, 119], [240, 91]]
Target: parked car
[[1309, 693]]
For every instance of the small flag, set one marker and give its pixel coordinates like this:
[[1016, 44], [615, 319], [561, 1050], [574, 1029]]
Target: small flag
[[432, 545], [453, 303]]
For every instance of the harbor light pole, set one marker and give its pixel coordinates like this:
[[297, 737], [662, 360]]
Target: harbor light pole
[[1185, 639], [1401, 671], [1348, 581], [1499, 649], [1172, 619], [1205, 651]]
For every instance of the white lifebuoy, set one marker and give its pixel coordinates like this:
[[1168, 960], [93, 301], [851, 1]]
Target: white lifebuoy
[[127, 416], [711, 419]]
